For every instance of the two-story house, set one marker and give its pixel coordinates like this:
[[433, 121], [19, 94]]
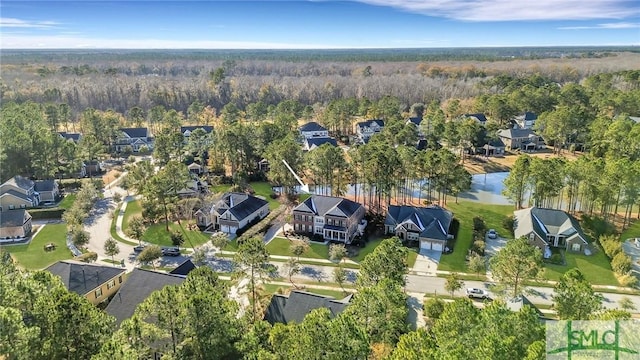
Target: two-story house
[[479, 117], [134, 137], [333, 218], [546, 228], [526, 120], [15, 225], [95, 282], [48, 189], [428, 226], [366, 129], [234, 211], [313, 130], [314, 143], [18, 193], [520, 139]]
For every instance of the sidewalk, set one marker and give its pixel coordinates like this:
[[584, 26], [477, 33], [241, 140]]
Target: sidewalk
[[120, 218]]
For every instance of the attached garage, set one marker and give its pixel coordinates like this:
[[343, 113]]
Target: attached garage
[[228, 229], [430, 245], [437, 246]]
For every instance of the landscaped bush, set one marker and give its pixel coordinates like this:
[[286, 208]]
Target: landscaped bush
[[610, 245], [479, 225], [621, 264], [87, 257], [628, 280], [478, 247], [508, 223], [595, 226], [556, 259], [433, 308], [53, 213]]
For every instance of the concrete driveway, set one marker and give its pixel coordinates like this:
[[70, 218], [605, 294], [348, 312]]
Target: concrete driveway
[[494, 245], [632, 249], [427, 262]]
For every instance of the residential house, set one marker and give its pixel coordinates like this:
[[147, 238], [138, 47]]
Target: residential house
[[547, 228], [494, 147], [95, 282], [15, 225], [18, 193], [187, 130], [93, 167], [75, 137], [284, 309], [313, 130], [48, 190], [139, 285], [366, 129], [333, 218], [479, 117], [428, 226], [314, 143], [416, 121], [196, 168], [520, 139], [233, 212], [183, 269], [134, 137], [526, 120], [263, 165]]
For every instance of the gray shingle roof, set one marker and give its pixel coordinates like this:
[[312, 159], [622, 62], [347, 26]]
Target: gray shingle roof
[[21, 182], [328, 205], [135, 132], [240, 205], [19, 195], [546, 221], [433, 221], [368, 123], [139, 285], [312, 126], [318, 141], [208, 129], [516, 133], [81, 278], [70, 136], [415, 120], [44, 185], [478, 116], [298, 304], [184, 268], [12, 217]]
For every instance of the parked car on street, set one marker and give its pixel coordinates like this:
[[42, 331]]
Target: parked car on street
[[174, 251], [475, 293], [492, 234], [138, 248]]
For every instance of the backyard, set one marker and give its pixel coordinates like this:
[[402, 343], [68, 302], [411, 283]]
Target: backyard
[[595, 268], [464, 212], [33, 256]]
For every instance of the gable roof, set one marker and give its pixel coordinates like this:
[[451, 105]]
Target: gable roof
[[546, 221], [207, 128], [433, 221], [70, 136], [312, 126], [316, 142], [421, 144], [293, 308], [328, 205], [139, 285], [527, 116], [20, 182], [184, 268], [478, 116], [18, 195], [240, 205], [135, 132], [82, 278], [516, 133], [13, 218], [368, 123], [44, 185], [415, 120]]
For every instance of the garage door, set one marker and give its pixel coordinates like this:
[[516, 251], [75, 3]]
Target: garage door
[[425, 245], [436, 246], [228, 229]]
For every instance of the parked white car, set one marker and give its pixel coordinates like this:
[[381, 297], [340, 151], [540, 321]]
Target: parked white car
[[475, 293], [492, 234]]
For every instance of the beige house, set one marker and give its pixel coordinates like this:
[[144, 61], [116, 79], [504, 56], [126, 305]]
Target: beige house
[[95, 282], [15, 225], [520, 139], [333, 218], [48, 189], [427, 226], [549, 228], [18, 193]]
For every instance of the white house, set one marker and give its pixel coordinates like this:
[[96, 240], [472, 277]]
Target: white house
[[366, 129], [233, 212], [313, 130]]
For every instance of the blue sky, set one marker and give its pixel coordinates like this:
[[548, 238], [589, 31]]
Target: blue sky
[[317, 24]]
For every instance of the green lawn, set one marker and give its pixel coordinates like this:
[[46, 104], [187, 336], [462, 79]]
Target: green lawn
[[280, 246], [32, 256], [632, 232], [264, 189], [595, 268], [371, 245], [157, 234], [220, 188], [133, 209], [465, 211], [411, 257], [67, 201]]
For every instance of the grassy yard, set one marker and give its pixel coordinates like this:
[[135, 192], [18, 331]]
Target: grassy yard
[[465, 211], [33, 256], [133, 209], [67, 201], [371, 245], [264, 189], [157, 234], [280, 246], [215, 189], [595, 268], [411, 257], [632, 232]]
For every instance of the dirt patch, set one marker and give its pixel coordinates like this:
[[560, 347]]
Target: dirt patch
[[110, 176]]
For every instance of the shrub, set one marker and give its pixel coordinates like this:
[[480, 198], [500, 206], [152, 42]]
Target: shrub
[[621, 264], [177, 238], [610, 245], [508, 223], [628, 280], [479, 225], [478, 247], [54, 213], [87, 257], [595, 226], [556, 259], [433, 308]]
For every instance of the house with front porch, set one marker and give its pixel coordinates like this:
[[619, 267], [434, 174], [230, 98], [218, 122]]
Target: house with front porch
[[233, 212], [313, 130], [134, 137], [15, 225], [18, 193], [366, 129], [427, 226], [520, 139], [333, 218], [549, 228], [95, 282]]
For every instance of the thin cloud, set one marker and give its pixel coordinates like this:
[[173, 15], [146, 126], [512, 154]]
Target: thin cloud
[[518, 10], [620, 25], [19, 23]]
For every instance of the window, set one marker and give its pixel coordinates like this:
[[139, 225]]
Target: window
[[11, 207], [120, 279], [111, 284], [98, 293], [575, 247], [23, 206]]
